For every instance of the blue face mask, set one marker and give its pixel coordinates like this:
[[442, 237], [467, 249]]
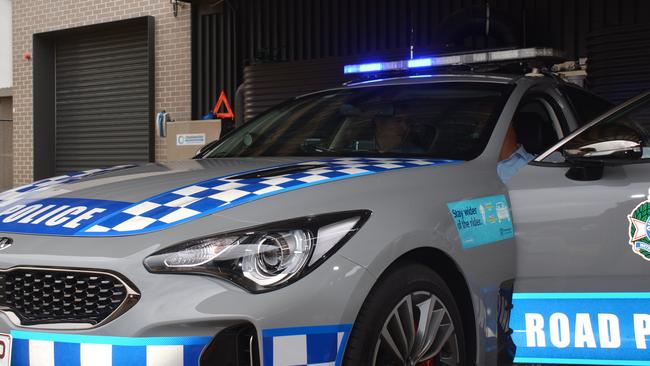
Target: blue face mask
[[509, 167]]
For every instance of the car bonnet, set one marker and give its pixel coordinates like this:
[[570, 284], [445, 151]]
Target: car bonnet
[[130, 200]]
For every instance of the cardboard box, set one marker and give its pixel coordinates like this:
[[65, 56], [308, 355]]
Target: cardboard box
[[185, 138]]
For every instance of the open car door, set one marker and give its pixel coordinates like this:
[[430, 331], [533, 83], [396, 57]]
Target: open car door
[[581, 213]]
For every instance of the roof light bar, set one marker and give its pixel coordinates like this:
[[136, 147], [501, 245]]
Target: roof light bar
[[370, 67], [457, 59]]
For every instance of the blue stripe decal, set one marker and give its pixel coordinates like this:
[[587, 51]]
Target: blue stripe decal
[[191, 354], [115, 341], [74, 350], [305, 345], [82, 217], [320, 329], [582, 328], [67, 354], [322, 347], [580, 295], [267, 346], [344, 342], [130, 356], [19, 352], [569, 361]]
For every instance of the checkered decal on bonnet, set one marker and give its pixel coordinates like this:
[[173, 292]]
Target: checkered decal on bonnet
[[16, 194], [305, 346], [210, 196]]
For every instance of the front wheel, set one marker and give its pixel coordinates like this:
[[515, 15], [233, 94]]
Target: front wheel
[[409, 319]]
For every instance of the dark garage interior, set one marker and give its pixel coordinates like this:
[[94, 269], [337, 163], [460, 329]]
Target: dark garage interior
[[264, 44], [261, 53]]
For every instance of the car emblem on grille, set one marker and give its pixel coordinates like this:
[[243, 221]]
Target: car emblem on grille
[[5, 243]]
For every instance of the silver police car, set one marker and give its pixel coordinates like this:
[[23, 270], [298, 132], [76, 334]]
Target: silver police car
[[394, 221]]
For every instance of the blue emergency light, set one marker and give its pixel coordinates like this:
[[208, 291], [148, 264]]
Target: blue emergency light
[[454, 59]]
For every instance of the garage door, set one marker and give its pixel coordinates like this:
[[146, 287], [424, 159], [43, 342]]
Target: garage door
[[103, 98], [617, 62]]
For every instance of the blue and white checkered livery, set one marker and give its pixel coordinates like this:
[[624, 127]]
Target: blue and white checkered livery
[[19, 193], [49, 349], [36, 209], [213, 195], [305, 346]]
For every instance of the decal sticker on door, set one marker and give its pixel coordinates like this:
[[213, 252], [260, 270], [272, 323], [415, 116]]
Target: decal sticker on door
[[482, 220], [640, 229]]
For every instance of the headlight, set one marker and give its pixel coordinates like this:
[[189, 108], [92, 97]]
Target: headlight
[[265, 257]]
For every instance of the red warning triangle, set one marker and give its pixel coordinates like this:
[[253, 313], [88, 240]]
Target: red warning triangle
[[223, 100]]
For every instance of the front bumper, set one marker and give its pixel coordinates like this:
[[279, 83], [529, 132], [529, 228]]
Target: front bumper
[[177, 316]]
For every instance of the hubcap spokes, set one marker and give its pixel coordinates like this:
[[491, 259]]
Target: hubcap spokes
[[418, 329]]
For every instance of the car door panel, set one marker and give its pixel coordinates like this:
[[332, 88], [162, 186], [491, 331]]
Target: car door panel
[[581, 291], [574, 262], [585, 222]]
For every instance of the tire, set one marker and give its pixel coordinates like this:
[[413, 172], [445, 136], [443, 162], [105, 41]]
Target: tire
[[417, 287]]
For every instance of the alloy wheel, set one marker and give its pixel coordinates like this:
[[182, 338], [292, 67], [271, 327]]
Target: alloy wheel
[[419, 331]]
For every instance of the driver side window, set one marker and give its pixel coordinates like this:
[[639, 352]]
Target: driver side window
[[537, 125], [534, 128]]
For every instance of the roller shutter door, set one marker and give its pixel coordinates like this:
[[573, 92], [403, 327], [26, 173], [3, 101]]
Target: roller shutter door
[[104, 96], [268, 84], [617, 62]]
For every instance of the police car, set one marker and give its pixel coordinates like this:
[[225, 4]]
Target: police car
[[364, 225]]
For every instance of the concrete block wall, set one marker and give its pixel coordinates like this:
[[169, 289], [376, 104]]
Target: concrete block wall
[[173, 59]]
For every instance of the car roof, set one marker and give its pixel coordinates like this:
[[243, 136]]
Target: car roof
[[469, 77], [433, 78]]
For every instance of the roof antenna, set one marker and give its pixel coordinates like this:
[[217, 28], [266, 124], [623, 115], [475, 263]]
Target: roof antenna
[[487, 18], [412, 42]]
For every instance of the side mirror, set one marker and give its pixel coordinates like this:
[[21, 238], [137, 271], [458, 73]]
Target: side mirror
[[588, 161], [605, 150], [585, 171]]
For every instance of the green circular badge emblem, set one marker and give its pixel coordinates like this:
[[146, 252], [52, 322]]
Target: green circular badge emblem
[[639, 224]]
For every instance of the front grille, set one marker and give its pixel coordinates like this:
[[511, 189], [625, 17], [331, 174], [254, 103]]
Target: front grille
[[54, 296]]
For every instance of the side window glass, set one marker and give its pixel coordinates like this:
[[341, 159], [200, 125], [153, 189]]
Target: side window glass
[[626, 136], [535, 127], [586, 106]]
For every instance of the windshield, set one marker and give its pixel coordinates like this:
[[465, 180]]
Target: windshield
[[440, 120]]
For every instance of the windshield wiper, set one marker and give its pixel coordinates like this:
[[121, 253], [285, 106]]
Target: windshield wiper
[[274, 172], [317, 148]]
